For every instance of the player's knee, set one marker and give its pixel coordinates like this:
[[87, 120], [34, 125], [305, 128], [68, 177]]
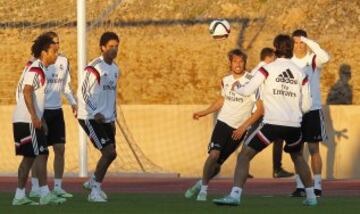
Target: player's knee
[[217, 169], [59, 150], [295, 156], [112, 155], [314, 149], [214, 155], [243, 158]]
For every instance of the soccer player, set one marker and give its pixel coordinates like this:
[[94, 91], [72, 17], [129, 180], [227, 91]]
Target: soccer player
[[233, 120], [267, 55], [97, 109], [313, 127], [286, 96], [58, 83], [29, 129]]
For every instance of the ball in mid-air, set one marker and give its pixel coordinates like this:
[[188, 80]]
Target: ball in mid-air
[[219, 29]]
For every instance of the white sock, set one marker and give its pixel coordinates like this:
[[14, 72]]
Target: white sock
[[34, 184], [92, 179], [44, 190], [236, 192], [57, 183], [299, 184], [204, 188], [317, 181], [96, 185], [310, 193], [198, 184], [19, 193]]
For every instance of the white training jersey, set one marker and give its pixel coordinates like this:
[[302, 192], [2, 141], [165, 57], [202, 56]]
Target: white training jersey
[[311, 64], [97, 90], [33, 75], [252, 72], [236, 108], [58, 78], [285, 92]]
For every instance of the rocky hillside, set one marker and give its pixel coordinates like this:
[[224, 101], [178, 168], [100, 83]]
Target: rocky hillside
[[167, 55]]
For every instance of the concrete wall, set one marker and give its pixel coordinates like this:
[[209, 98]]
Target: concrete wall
[[166, 139]]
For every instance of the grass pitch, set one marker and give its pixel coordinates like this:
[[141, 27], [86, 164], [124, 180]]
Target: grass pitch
[[176, 203]]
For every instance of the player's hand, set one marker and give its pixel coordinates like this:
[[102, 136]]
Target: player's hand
[[74, 109], [99, 118], [236, 84], [199, 114], [36, 122], [238, 133]]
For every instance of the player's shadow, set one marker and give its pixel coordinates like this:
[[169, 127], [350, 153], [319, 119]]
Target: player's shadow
[[339, 94]]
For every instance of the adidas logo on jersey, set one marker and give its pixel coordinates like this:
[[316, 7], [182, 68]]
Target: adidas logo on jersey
[[286, 77]]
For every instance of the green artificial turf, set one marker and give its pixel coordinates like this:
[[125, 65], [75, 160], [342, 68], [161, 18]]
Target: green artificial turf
[[176, 203]]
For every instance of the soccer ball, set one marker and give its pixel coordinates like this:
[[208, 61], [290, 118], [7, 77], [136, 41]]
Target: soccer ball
[[219, 29]]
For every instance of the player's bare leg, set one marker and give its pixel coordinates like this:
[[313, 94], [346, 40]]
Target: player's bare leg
[[59, 163], [242, 171], [304, 172], [108, 155], [316, 166], [23, 174], [210, 170], [278, 171], [46, 197], [240, 177], [35, 188], [300, 188], [243, 166], [24, 170], [41, 168]]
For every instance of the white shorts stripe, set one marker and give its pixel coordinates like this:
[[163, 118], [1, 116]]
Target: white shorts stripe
[[93, 135], [34, 139], [262, 136], [25, 139], [252, 135], [296, 143]]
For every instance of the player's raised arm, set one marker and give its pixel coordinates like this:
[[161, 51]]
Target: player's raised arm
[[321, 55], [250, 87]]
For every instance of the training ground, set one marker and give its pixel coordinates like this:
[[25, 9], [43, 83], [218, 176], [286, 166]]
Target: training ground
[[165, 195]]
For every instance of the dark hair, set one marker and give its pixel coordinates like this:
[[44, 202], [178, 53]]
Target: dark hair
[[41, 43], [107, 36], [283, 46], [266, 52], [51, 34], [299, 32], [237, 52]]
